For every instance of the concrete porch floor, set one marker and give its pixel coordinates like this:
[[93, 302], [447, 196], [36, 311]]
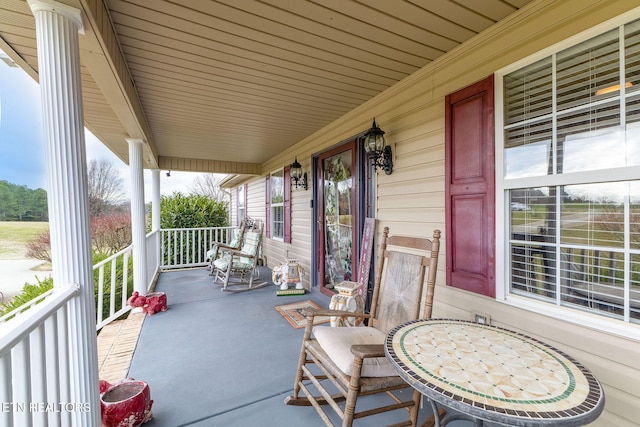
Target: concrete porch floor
[[226, 359]]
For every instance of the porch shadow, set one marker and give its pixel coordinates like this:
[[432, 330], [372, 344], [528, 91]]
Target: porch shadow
[[225, 359]]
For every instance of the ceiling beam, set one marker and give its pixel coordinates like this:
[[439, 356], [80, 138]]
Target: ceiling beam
[[208, 166], [102, 56]]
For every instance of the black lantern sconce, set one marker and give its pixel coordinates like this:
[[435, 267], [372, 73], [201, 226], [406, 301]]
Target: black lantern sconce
[[298, 178], [375, 146]]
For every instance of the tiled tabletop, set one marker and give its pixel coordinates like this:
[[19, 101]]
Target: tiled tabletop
[[490, 373]]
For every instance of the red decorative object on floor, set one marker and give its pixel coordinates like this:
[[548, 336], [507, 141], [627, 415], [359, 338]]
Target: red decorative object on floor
[[151, 304], [126, 403], [156, 301]]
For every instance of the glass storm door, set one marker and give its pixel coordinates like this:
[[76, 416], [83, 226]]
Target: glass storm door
[[337, 216]]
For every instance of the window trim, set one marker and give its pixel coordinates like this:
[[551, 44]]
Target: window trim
[[271, 206], [286, 206], [630, 173], [244, 202]]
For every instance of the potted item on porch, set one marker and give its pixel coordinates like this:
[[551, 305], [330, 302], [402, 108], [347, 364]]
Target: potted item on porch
[[125, 403], [348, 298]]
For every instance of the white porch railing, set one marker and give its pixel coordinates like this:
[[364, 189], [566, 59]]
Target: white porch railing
[[114, 285], [34, 340], [153, 256], [187, 247], [34, 364], [114, 280], [167, 249]]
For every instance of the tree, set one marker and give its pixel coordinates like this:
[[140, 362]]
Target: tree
[[209, 185], [20, 203], [105, 187]]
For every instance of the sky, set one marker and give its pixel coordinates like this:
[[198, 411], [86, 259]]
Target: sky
[[22, 158]]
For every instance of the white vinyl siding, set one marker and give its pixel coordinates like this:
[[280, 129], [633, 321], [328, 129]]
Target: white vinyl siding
[[411, 200]]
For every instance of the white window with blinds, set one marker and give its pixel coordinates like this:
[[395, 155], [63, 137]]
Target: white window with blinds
[[277, 204], [570, 176], [241, 202]]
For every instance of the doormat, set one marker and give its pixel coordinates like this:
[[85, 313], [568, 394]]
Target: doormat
[[293, 313], [285, 292]]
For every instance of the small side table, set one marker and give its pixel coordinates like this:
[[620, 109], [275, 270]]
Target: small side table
[[289, 273], [348, 298]]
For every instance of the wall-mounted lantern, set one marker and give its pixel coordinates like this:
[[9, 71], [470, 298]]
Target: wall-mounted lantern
[[379, 152], [298, 178]]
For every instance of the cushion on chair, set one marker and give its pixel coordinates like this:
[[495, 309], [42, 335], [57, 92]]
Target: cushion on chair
[[250, 244], [235, 242], [337, 342], [243, 263], [221, 263]]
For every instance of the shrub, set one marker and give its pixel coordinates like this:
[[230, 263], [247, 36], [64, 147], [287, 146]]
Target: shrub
[[31, 291], [192, 211], [119, 274], [28, 293], [111, 233], [40, 247]]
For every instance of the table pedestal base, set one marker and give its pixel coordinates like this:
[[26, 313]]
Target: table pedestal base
[[441, 418]]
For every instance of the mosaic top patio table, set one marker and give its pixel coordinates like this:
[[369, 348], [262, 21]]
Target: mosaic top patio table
[[487, 373]]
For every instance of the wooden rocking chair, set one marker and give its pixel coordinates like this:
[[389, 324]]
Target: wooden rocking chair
[[352, 359], [247, 224], [237, 268]]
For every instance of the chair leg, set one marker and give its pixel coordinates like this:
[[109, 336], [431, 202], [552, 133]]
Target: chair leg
[[250, 278], [352, 395], [302, 360], [413, 411], [226, 278]]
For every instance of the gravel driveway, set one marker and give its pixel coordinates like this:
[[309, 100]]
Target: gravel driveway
[[15, 272]]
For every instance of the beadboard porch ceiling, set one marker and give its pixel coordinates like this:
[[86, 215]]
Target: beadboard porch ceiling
[[221, 85]]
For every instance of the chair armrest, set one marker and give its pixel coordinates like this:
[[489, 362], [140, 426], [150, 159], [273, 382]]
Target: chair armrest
[[223, 246], [236, 252], [368, 350]]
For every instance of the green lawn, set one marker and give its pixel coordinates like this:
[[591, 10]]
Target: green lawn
[[14, 236]]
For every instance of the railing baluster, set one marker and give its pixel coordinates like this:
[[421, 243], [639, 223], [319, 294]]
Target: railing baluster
[[163, 236], [125, 279], [53, 366], [38, 397], [175, 247], [22, 388], [100, 292], [64, 370], [114, 286], [197, 244], [182, 247], [6, 391]]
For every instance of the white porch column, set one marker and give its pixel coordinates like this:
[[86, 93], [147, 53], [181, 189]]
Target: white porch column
[[138, 228], [155, 200], [155, 213], [57, 27]]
